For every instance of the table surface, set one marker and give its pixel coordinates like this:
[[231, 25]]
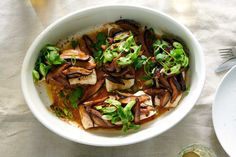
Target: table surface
[[213, 22]]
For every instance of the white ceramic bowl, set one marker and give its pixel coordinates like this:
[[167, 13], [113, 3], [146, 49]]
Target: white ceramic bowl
[[37, 98]]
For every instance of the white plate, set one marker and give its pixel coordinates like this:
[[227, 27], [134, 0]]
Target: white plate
[[224, 112]]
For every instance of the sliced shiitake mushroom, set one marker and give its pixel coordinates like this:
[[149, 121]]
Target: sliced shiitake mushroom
[[111, 86], [141, 98], [128, 24], [180, 78], [93, 102], [85, 118], [164, 83], [115, 79], [157, 101], [74, 75], [149, 38], [175, 102], [74, 54], [97, 118], [85, 79], [89, 43], [164, 97], [137, 113], [87, 65], [121, 36], [176, 88], [92, 89], [153, 91], [76, 70], [113, 31], [56, 76]]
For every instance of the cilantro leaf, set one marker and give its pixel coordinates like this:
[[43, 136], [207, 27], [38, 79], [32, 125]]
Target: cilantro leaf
[[74, 96], [74, 43]]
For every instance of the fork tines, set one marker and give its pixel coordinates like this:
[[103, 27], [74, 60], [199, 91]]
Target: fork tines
[[226, 52]]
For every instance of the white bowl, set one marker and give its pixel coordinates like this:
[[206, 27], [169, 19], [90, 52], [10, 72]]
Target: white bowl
[[37, 98]]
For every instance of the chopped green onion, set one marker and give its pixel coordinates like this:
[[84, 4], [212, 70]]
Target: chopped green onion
[[177, 45]]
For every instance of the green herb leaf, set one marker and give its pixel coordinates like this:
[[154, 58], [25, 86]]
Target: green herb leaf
[[140, 61], [108, 56], [35, 75], [74, 43], [125, 45], [43, 69], [61, 94], [101, 38], [74, 96], [53, 58], [62, 112], [131, 57], [173, 58]]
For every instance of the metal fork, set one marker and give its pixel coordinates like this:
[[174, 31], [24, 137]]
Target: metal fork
[[227, 53]]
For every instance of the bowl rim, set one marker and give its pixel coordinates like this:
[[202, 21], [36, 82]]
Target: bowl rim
[[42, 119]]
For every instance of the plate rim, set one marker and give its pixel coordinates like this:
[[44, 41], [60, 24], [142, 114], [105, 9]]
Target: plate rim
[[213, 109]]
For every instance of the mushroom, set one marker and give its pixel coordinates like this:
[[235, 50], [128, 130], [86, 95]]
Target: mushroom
[[181, 79], [153, 91], [147, 113], [127, 100], [176, 94], [122, 35], [87, 65], [164, 83], [111, 86], [92, 89], [145, 105], [149, 38], [121, 73], [145, 99], [115, 79], [90, 79], [76, 70], [97, 118], [89, 43], [175, 102], [176, 88], [113, 31], [157, 101], [58, 77], [137, 112], [74, 54], [164, 97], [85, 118], [93, 102], [122, 94], [128, 24]]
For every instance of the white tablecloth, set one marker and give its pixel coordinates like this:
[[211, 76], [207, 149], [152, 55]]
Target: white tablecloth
[[213, 22]]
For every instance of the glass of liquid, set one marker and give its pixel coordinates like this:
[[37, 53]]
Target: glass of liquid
[[196, 150]]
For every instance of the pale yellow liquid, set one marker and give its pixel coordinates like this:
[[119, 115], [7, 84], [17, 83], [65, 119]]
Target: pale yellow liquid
[[191, 154]]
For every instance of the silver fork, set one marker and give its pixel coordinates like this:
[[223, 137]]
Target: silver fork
[[227, 53]]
